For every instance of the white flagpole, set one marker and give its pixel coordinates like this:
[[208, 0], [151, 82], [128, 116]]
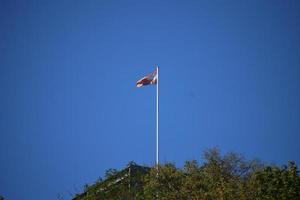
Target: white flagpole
[[157, 129], [157, 133]]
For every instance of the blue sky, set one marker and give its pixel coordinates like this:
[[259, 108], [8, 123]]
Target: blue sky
[[229, 78]]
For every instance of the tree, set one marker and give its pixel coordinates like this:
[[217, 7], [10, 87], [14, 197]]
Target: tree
[[165, 182], [275, 183], [219, 177], [194, 187]]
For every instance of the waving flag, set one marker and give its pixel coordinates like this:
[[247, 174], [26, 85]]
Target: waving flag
[[150, 79]]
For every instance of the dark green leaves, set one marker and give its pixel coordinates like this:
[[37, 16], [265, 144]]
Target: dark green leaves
[[219, 177]]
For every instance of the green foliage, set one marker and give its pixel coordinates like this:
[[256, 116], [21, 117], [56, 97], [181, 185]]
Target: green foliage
[[274, 183], [110, 173], [164, 182], [219, 177]]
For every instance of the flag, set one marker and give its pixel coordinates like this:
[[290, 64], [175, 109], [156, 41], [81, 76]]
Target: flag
[[150, 79]]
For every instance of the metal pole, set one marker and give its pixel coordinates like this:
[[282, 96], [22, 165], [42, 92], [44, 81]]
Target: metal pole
[[157, 129], [157, 133]]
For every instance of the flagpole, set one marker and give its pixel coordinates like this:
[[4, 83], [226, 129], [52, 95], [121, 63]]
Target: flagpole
[[157, 127], [157, 109]]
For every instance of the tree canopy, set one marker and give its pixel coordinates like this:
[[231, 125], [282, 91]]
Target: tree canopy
[[219, 177]]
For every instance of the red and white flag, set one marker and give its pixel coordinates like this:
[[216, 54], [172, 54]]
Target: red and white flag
[[150, 79]]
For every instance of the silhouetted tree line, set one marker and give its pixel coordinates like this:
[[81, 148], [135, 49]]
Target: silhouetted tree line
[[220, 177]]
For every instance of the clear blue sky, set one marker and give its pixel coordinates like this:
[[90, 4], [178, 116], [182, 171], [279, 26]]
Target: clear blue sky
[[230, 77]]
